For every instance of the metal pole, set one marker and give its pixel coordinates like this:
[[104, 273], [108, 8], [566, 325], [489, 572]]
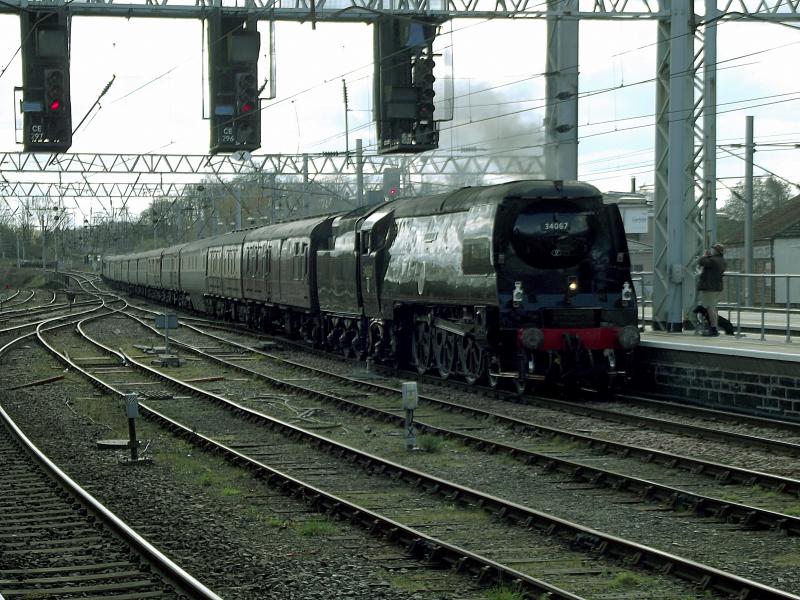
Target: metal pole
[[360, 172], [710, 122], [237, 194], [132, 411], [304, 204], [132, 436], [763, 296], [561, 83], [179, 208], [748, 206], [680, 183], [346, 124], [788, 312]]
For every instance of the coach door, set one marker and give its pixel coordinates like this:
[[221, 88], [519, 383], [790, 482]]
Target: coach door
[[372, 241]]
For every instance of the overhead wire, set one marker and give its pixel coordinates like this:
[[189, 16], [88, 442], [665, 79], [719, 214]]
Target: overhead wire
[[614, 88]]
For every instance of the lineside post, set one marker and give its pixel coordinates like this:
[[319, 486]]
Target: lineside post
[[410, 401]]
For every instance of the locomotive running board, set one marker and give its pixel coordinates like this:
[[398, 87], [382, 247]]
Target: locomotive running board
[[451, 327]]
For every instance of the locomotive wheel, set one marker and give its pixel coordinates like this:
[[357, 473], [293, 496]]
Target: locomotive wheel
[[346, 343], [472, 358], [422, 347], [392, 347], [444, 352]]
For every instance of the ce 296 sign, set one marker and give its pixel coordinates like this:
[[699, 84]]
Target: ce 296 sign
[[228, 136]]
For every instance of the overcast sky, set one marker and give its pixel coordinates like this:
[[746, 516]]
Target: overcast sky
[[156, 102]]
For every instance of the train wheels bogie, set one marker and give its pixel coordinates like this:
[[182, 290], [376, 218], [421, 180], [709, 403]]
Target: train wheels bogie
[[444, 352], [421, 345], [472, 360]]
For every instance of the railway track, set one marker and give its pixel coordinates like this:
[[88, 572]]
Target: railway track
[[446, 488], [57, 541], [12, 309], [680, 499], [709, 429], [11, 300], [383, 400]]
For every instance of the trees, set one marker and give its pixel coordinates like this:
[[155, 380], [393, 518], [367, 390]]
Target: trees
[[768, 194]]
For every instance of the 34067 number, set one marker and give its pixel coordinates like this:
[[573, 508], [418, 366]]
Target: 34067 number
[[556, 226]]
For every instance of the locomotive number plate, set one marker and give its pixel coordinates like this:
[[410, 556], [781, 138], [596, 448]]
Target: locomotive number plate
[[556, 226]]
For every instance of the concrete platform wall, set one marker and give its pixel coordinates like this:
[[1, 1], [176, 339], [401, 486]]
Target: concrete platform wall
[[749, 385]]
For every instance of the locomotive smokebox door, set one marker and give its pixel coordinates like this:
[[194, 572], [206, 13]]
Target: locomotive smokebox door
[[410, 397]]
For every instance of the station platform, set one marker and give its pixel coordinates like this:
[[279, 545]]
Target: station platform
[[727, 372], [774, 347]]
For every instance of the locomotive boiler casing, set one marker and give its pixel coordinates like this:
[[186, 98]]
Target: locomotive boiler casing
[[518, 275], [434, 251]]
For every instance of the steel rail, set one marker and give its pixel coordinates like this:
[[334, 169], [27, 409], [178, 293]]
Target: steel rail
[[14, 295], [710, 413], [789, 448], [155, 558], [719, 471], [571, 533], [705, 505], [116, 572], [576, 535], [40, 309], [566, 531], [416, 543], [778, 446], [677, 498]]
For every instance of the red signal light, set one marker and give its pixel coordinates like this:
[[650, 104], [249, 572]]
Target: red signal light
[[55, 104], [247, 107], [393, 192]]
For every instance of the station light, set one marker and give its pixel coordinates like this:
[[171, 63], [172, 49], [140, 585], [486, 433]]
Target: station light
[[46, 110], [54, 90], [246, 93], [391, 183], [425, 132], [423, 81], [234, 46]]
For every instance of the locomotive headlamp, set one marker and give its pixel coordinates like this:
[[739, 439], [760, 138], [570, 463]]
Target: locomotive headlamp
[[628, 337], [516, 295], [627, 293], [572, 284]]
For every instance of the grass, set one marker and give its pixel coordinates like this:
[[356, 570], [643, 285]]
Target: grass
[[626, 579], [316, 528], [787, 560], [429, 443], [503, 593]]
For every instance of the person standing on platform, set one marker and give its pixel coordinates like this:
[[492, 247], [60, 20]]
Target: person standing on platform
[[709, 285]]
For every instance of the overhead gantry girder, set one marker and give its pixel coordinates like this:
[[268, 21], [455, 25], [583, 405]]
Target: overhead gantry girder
[[128, 176], [370, 10], [282, 164]]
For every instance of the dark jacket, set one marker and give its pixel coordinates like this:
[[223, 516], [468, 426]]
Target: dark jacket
[[711, 275]]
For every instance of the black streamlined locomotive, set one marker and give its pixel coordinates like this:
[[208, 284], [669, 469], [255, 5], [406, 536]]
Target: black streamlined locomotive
[[519, 282]]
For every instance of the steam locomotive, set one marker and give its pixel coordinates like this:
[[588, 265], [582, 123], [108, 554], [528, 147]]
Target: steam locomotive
[[520, 283]]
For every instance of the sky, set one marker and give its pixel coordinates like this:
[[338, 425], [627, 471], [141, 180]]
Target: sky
[[156, 103]]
